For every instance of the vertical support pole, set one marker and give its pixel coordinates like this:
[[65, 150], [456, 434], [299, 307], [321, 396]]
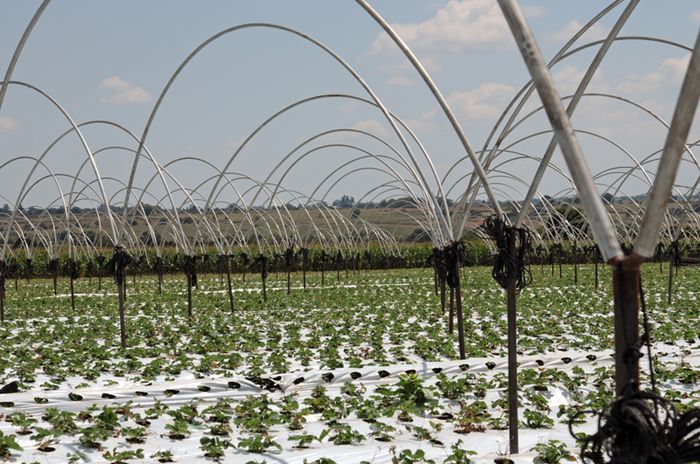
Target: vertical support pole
[[670, 281], [575, 256], [597, 282], [460, 315], [72, 294], [3, 274], [442, 265], [117, 264], [228, 283], [453, 267], [450, 322], [436, 257], [122, 313], [189, 296], [337, 267], [304, 263], [190, 268], [551, 261], [626, 300], [263, 275], [323, 268], [512, 354], [561, 252]]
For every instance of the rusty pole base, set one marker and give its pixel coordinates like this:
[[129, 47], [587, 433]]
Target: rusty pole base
[[626, 290]]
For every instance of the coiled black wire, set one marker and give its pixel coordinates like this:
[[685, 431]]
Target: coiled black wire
[[117, 264], [190, 268], [73, 269], [641, 427], [289, 258], [451, 263], [3, 277], [158, 265], [644, 428], [506, 266], [53, 267], [29, 268], [261, 260]]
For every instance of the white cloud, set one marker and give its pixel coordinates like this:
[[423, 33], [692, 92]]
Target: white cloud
[[401, 81], [123, 92], [695, 16], [372, 126], [596, 32], [486, 101], [7, 124], [568, 78], [457, 27], [675, 67], [670, 70], [425, 123], [534, 11]]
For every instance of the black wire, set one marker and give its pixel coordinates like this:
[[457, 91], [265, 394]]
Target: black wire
[[450, 263], [117, 264], [190, 268], [261, 260], [289, 258], [3, 277], [641, 427], [506, 266], [646, 337]]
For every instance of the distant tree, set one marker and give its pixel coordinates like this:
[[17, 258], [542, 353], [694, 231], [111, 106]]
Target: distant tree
[[344, 202], [568, 215], [418, 235]]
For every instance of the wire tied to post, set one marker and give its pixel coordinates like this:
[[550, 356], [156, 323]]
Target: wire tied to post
[[118, 263], [676, 253], [304, 256], [506, 266], [593, 252], [261, 261], [641, 427], [73, 268], [53, 267], [441, 263], [158, 265], [190, 268], [29, 268], [451, 263], [289, 258], [3, 277]]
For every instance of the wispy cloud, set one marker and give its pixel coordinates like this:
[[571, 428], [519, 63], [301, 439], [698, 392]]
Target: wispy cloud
[[596, 32], [670, 70], [457, 27], [487, 100], [401, 81], [7, 124], [695, 16], [373, 127], [123, 92]]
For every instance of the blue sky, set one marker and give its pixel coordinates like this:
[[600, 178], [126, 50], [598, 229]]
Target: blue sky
[[110, 60]]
